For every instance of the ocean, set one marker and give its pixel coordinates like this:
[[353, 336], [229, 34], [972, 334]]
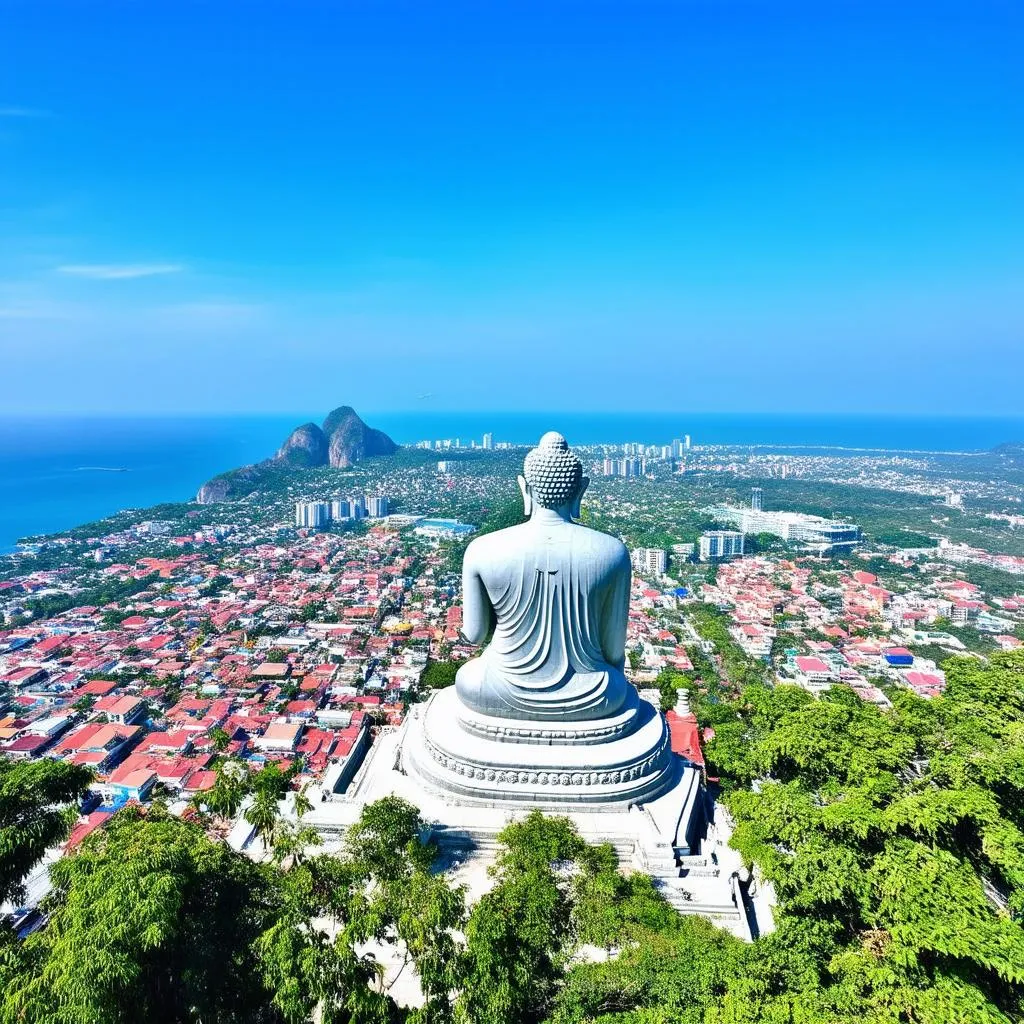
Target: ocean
[[59, 472]]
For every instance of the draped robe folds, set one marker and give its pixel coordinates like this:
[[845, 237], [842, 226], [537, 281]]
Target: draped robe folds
[[557, 594]]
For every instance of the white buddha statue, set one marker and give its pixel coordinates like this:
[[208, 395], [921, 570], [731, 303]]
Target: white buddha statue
[[545, 715], [556, 595]]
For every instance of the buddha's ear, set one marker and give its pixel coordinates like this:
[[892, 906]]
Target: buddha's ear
[[524, 489], [584, 484]]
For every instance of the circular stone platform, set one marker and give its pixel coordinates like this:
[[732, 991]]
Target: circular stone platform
[[622, 760]]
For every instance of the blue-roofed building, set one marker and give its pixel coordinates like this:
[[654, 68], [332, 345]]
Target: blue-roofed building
[[898, 657]]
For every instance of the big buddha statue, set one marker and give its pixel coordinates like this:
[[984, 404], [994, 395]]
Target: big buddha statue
[[545, 714]]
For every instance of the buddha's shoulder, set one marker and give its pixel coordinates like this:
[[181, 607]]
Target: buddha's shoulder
[[602, 546], [498, 540], [611, 548]]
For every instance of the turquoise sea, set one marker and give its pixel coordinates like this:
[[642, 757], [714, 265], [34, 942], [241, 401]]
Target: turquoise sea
[[59, 472]]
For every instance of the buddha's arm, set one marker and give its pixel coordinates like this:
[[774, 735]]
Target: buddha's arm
[[616, 616], [477, 614]]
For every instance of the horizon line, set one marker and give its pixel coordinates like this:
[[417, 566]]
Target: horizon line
[[761, 413]]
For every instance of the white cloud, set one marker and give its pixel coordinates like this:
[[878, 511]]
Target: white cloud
[[119, 271]]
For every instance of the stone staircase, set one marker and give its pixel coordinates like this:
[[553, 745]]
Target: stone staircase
[[485, 842], [692, 884]]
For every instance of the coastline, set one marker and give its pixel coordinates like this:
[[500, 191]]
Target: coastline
[[78, 469]]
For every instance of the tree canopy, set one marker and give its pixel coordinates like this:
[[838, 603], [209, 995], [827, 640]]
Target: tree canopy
[[893, 840], [37, 811]]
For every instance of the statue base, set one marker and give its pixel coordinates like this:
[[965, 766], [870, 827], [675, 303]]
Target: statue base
[[626, 759], [679, 836]]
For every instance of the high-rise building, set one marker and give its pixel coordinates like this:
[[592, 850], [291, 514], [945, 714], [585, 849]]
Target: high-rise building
[[624, 467], [677, 448], [686, 442], [667, 453], [719, 544], [755, 499], [312, 514], [488, 441], [341, 509], [377, 506], [359, 507], [650, 560]]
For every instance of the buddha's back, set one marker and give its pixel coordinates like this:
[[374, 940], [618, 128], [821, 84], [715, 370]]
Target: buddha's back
[[545, 714], [559, 595]]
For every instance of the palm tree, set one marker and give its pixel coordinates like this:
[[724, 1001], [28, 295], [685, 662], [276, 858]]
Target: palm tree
[[290, 843], [228, 792], [264, 814], [302, 804]]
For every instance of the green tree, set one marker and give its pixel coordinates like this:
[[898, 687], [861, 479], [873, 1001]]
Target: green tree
[[37, 811], [225, 797], [386, 840], [402, 902], [439, 674], [672, 975], [519, 933], [894, 842], [149, 921], [219, 739]]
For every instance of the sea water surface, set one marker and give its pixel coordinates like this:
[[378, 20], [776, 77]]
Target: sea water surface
[[59, 472]]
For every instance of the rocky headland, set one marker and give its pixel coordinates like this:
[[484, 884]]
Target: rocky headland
[[341, 441]]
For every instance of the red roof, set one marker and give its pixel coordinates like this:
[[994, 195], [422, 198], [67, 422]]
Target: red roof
[[685, 737], [49, 644], [812, 665], [925, 679], [89, 824], [200, 781]]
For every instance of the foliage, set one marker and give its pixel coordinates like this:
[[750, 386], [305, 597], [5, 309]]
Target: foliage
[[668, 682], [519, 932], [403, 903], [712, 625], [894, 842], [37, 811], [439, 674], [905, 539], [672, 974], [149, 921], [107, 592]]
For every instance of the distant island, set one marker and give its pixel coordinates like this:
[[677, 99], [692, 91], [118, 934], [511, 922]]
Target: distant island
[[341, 441]]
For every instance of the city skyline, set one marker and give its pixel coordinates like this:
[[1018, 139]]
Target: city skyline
[[748, 208]]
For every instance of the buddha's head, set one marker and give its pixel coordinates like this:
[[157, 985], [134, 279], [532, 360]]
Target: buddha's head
[[553, 478]]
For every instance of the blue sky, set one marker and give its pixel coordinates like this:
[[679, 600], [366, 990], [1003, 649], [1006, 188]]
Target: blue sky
[[708, 206]]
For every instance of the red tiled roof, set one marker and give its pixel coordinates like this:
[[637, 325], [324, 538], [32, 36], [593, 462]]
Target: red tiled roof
[[685, 737]]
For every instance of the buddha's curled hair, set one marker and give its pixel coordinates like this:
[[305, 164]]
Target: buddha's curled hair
[[553, 472]]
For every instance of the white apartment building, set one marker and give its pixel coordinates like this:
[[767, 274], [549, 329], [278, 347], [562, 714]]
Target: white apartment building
[[312, 514], [651, 560], [718, 544], [813, 534]]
